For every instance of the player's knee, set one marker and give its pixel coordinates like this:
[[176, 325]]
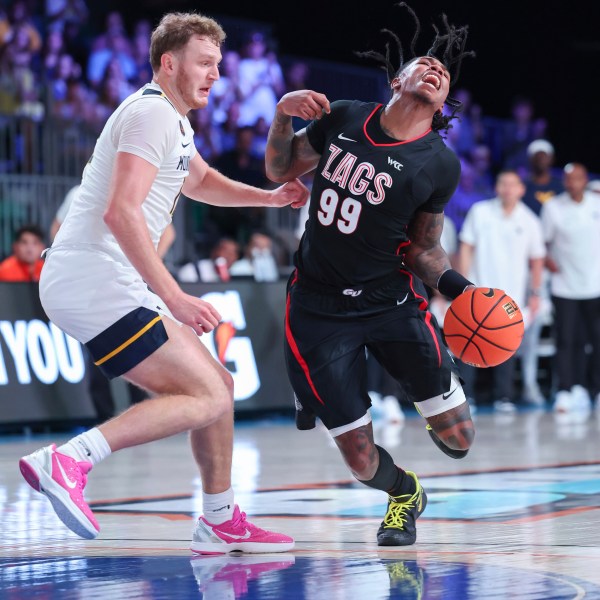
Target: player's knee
[[362, 465], [228, 381], [461, 439], [223, 401]]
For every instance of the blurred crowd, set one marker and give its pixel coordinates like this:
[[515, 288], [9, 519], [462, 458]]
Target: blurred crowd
[[59, 65]]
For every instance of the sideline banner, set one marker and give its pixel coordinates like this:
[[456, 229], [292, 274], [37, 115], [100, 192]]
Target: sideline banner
[[249, 342], [43, 372]]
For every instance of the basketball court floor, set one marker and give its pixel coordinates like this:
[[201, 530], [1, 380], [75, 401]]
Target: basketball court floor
[[518, 518]]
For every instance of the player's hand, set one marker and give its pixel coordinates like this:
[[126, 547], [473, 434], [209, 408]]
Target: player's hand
[[201, 316], [293, 193], [306, 104]]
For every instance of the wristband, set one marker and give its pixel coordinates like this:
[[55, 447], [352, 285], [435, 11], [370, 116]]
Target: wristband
[[452, 284]]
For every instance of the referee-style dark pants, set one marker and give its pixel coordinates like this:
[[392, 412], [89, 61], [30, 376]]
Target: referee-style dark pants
[[576, 324]]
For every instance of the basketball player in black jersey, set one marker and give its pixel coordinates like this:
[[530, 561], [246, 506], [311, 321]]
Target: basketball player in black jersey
[[383, 176]]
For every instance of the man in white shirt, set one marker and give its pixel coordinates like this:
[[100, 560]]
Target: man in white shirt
[[96, 285], [502, 246], [571, 223]]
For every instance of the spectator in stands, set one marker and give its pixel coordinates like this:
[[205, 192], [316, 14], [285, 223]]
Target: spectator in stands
[[19, 88], [229, 129], [465, 196], [20, 23], [259, 142], [471, 127], [571, 223], [26, 263], [541, 183], [217, 267], [501, 244], [65, 70], [519, 132], [62, 14], [260, 258], [261, 81], [225, 91], [207, 135], [297, 76], [239, 164], [117, 48], [77, 106], [140, 54], [481, 161], [53, 50], [114, 26]]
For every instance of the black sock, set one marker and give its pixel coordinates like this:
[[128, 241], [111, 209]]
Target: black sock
[[390, 478], [404, 484]]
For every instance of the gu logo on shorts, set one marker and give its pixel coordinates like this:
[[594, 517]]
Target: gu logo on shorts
[[511, 309], [351, 292]]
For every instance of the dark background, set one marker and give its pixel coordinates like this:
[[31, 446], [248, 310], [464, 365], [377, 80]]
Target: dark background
[[547, 51]]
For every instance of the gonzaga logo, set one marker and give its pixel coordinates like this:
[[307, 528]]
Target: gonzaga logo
[[231, 350]]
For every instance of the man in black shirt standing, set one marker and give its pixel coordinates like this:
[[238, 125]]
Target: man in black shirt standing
[[383, 176]]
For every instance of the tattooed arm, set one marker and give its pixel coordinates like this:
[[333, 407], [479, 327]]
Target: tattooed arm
[[425, 256], [289, 155]]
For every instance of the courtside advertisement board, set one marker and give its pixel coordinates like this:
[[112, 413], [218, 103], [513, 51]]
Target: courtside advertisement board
[[43, 372]]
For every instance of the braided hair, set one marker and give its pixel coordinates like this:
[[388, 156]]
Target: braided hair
[[448, 47]]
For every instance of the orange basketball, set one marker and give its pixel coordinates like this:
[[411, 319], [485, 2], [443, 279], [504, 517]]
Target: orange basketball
[[483, 327]]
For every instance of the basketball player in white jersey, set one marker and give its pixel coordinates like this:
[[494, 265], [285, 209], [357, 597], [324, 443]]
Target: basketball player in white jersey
[[96, 286]]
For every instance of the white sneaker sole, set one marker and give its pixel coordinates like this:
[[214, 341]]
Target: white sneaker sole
[[248, 547], [68, 512]]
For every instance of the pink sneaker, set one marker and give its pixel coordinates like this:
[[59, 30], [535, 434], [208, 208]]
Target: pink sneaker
[[237, 535], [62, 479], [228, 576]]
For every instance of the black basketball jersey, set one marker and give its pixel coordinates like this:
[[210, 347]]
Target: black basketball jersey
[[366, 189]]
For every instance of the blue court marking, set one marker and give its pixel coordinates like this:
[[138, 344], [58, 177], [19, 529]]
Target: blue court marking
[[266, 577]]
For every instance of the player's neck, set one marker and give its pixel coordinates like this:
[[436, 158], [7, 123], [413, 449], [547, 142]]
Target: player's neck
[[406, 120], [171, 93]]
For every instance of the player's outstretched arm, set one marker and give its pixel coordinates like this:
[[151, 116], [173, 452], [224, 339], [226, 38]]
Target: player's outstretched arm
[[206, 184], [288, 154], [130, 184]]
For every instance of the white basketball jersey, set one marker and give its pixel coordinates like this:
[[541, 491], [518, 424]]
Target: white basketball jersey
[[148, 125]]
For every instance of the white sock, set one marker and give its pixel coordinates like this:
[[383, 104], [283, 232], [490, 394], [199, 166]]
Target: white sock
[[218, 508], [90, 446]]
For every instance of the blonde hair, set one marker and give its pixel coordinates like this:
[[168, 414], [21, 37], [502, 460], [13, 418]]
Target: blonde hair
[[175, 30]]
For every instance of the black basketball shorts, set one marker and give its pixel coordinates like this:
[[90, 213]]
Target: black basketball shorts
[[326, 358]]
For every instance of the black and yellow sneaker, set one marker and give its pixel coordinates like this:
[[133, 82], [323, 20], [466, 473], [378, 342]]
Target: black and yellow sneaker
[[451, 452], [398, 526]]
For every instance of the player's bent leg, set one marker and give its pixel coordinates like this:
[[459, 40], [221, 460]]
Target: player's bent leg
[[449, 424], [374, 467], [192, 390], [196, 391]]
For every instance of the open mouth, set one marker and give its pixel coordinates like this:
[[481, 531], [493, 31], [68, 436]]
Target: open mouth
[[432, 79]]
